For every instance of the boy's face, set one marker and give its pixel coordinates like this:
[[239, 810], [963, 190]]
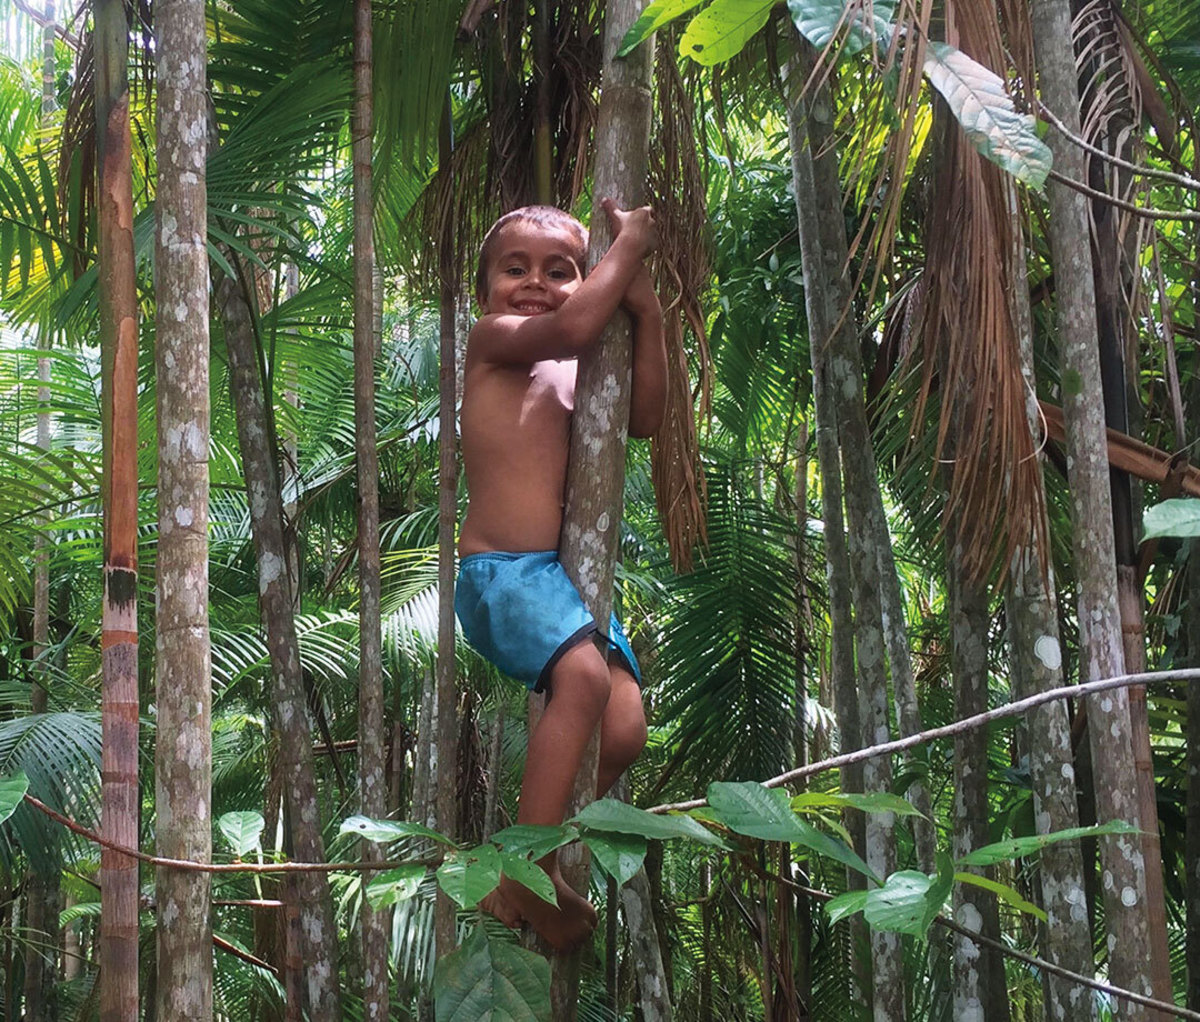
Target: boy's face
[[533, 271]]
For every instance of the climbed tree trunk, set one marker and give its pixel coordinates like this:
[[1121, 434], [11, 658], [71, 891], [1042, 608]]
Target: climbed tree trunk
[[831, 331], [446, 785], [119, 348], [183, 665], [596, 466], [1036, 665], [1191, 855], [1101, 653], [289, 707], [372, 784]]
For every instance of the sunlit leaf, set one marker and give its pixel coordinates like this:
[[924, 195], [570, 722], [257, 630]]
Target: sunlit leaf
[[608, 814], [395, 885], [1179, 516], [243, 831], [1015, 848], [651, 19], [470, 876], [862, 23], [722, 29]]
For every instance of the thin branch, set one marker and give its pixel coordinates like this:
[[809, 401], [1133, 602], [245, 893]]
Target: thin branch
[[1183, 180], [1021, 956], [1014, 709], [42, 21], [1147, 212], [245, 956]]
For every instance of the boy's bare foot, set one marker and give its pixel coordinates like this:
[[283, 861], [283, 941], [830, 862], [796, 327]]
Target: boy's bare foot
[[564, 927], [496, 904]]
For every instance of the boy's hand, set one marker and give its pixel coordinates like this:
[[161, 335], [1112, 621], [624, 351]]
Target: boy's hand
[[636, 224], [640, 299]]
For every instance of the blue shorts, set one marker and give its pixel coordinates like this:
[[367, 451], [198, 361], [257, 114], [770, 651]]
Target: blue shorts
[[522, 613]]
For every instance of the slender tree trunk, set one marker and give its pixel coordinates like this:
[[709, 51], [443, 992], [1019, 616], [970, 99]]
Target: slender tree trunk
[[1036, 666], [183, 666], [831, 332], [446, 785], [289, 706], [596, 465], [1109, 729], [42, 891], [372, 783], [119, 347], [1191, 855], [979, 987]]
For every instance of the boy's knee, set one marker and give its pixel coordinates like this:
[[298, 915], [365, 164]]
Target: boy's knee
[[582, 676]]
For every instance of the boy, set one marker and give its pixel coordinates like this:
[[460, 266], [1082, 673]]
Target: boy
[[514, 600]]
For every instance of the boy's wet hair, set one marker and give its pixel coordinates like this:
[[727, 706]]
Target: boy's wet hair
[[541, 216]]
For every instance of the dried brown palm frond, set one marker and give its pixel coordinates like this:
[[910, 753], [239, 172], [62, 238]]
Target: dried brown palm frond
[[678, 196], [966, 339]]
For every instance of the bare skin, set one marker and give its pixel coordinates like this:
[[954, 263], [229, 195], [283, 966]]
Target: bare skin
[[519, 386]]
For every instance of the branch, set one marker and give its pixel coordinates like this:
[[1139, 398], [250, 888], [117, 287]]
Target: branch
[[41, 19], [1183, 180], [1147, 212], [1014, 709]]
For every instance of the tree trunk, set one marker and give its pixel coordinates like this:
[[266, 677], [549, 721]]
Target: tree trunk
[[833, 340], [120, 799], [289, 706], [446, 785], [1109, 729], [183, 666], [1036, 665], [42, 892], [979, 987], [1191, 855], [372, 784]]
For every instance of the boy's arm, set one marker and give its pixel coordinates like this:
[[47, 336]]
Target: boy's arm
[[576, 324], [648, 398]]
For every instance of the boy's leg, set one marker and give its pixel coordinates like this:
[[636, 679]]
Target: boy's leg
[[579, 685], [622, 729]]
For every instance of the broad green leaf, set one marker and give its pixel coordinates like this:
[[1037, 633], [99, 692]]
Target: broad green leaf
[[12, 793], [609, 814], [470, 876], [528, 874], [845, 905], [1015, 848], [861, 23], [389, 830], [395, 885], [619, 855], [749, 808], [496, 980], [976, 96], [1003, 891], [243, 831], [1179, 516], [722, 29], [871, 802], [533, 841], [909, 901], [651, 20]]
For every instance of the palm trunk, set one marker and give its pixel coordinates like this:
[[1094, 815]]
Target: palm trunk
[[596, 464], [1109, 730], [119, 347], [371, 773], [288, 704], [833, 339], [42, 891], [979, 987], [446, 785], [183, 667], [1036, 666]]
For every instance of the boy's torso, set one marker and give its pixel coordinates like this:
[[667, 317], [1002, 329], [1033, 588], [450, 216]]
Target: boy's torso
[[515, 425]]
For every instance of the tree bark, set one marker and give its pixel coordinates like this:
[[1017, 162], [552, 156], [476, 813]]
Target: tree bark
[[183, 665], [596, 465], [446, 785], [1109, 730], [120, 800], [1191, 855], [372, 790], [832, 338], [289, 706], [1036, 665]]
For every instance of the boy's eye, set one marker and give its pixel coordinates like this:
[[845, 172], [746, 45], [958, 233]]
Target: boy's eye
[[514, 271], [558, 274]]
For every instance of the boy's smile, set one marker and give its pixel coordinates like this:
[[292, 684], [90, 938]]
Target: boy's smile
[[534, 270]]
